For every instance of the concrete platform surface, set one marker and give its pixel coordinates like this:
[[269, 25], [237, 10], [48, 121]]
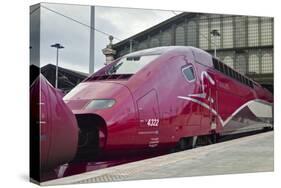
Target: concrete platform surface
[[244, 155]]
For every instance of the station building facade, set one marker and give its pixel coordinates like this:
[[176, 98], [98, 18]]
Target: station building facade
[[242, 42]]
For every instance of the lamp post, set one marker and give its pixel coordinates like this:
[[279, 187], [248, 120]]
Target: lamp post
[[57, 46], [215, 33]]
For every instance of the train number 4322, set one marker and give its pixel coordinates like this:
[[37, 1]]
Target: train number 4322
[[153, 122]]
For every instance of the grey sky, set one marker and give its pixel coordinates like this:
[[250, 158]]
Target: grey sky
[[120, 22]]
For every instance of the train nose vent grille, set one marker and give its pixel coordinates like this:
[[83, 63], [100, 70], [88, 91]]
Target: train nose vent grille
[[111, 77], [92, 137]]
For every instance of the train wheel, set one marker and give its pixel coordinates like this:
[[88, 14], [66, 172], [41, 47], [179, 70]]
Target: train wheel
[[213, 138], [205, 140], [187, 143], [182, 145]]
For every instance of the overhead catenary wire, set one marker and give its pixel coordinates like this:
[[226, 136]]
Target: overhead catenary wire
[[98, 30], [75, 20]]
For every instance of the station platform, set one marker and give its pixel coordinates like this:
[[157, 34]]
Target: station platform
[[244, 155]]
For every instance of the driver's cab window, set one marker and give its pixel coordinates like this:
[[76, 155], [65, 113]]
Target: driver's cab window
[[188, 73]]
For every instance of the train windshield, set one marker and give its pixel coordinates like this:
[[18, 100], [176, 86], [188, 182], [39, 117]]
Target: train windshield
[[131, 65]]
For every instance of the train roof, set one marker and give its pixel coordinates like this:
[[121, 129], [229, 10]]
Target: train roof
[[201, 57], [162, 50]]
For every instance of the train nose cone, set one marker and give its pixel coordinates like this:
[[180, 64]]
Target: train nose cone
[[57, 125], [95, 90], [101, 109], [105, 95]]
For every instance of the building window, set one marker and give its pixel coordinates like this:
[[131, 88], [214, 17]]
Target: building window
[[240, 31], [253, 31], [253, 64], [227, 32], [125, 50], [142, 45], [241, 65], [266, 31], [266, 63], [166, 38], [192, 33], [180, 36], [203, 32], [154, 42], [188, 73], [228, 61]]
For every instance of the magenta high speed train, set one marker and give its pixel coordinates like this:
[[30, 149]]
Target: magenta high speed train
[[164, 97]]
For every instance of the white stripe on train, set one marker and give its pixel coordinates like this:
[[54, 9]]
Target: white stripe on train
[[257, 106]]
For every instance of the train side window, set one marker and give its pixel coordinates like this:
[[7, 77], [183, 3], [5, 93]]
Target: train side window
[[220, 67], [236, 76], [231, 73], [248, 82], [251, 84], [227, 71], [223, 68], [244, 80], [188, 73], [240, 77], [216, 63]]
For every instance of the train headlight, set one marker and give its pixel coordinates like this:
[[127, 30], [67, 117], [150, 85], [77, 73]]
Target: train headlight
[[97, 104]]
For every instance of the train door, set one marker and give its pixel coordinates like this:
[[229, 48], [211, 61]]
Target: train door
[[212, 101], [149, 121], [209, 114], [193, 109]]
